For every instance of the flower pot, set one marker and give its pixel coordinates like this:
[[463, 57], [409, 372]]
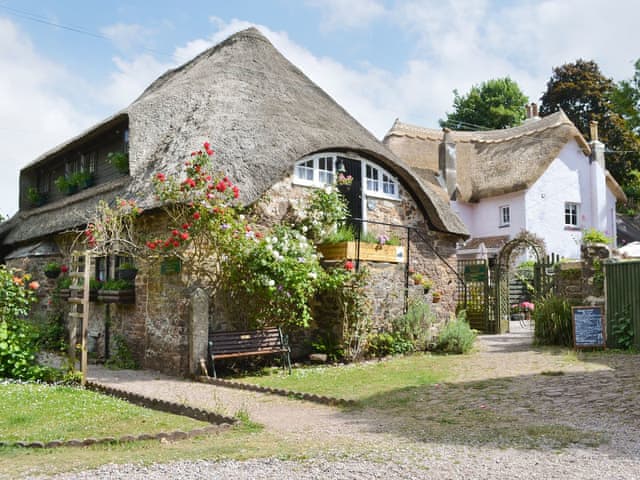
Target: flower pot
[[54, 273], [436, 298], [127, 274]]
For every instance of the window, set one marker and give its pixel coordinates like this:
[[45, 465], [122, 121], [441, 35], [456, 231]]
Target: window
[[380, 182], [571, 214], [505, 215], [318, 171]]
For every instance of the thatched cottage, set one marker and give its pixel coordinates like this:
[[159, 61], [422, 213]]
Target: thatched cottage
[[277, 135], [542, 176]]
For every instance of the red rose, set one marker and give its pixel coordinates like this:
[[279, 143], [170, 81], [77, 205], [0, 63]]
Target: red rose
[[184, 236], [64, 269], [196, 216], [348, 265], [161, 177], [221, 187]]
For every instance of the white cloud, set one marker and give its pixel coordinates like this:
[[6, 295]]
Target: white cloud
[[131, 78], [127, 35], [348, 13], [35, 110]]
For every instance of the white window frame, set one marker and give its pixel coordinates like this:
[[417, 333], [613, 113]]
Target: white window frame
[[572, 214], [383, 181], [505, 215], [319, 176]]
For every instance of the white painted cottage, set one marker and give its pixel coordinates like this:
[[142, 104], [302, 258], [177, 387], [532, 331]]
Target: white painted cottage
[[542, 177]]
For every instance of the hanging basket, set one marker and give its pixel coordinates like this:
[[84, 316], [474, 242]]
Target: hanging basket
[[52, 273]]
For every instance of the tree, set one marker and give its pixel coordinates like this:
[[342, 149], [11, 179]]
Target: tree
[[626, 99], [496, 103], [584, 94]]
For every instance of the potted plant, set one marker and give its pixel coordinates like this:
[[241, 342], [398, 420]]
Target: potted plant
[[117, 291], [127, 271], [426, 285], [62, 287], [436, 297], [36, 199], [120, 160], [417, 278], [83, 179], [52, 270], [66, 184]]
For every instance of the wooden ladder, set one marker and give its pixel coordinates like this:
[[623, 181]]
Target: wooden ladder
[[80, 276]]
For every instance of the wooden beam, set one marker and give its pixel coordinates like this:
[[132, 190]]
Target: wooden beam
[[85, 315]]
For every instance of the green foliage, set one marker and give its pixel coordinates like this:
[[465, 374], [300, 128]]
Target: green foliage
[[328, 344], [593, 235], [583, 93], [63, 282], [325, 207], [622, 329], [456, 336], [120, 160], [625, 98], [17, 338], [344, 233], [121, 357], [383, 344], [415, 325], [496, 103], [552, 318], [34, 196], [50, 331]]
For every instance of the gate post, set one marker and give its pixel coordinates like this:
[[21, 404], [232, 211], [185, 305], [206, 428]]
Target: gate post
[[199, 330]]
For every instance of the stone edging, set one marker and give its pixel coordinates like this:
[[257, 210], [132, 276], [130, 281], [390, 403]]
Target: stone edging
[[278, 391], [217, 421]]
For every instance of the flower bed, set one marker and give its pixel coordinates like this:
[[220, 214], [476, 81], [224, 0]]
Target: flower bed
[[368, 252]]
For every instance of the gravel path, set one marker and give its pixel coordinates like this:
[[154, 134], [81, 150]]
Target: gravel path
[[538, 388]]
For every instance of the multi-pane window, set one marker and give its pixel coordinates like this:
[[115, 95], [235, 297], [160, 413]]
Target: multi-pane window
[[372, 179], [571, 211], [505, 215], [325, 170], [380, 182], [304, 171]]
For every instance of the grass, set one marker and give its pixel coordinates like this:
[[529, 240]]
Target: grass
[[35, 412], [358, 381]]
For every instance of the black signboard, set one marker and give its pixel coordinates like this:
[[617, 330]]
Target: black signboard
[[588, 327], [476, 272]]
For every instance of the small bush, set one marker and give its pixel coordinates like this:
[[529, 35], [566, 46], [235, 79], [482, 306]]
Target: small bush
[[385, 343], [122, 357], [415, 325], [456, 336], [552, 320], [592, 235]]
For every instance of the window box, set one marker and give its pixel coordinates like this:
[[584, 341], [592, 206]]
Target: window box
[[127, 296], [371, 252]]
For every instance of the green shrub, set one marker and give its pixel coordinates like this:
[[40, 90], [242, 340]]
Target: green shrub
[[385, 343], [50, 332], [122, 357], [415, 325], [552, 320], [622, 329], [592, 235], [456, 336]]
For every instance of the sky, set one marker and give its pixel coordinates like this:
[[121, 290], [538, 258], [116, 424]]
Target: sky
[[67, 65]]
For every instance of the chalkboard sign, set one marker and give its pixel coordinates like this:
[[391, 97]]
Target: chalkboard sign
[[588, 327]]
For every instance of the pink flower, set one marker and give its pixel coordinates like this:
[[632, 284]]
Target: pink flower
[[34, 285]]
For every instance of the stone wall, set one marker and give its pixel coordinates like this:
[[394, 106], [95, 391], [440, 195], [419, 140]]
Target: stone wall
[[582, 282]]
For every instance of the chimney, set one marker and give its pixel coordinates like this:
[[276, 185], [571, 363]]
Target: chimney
[[528, 107], [534, 110], [447, 163], [593, 128], [597, 147]]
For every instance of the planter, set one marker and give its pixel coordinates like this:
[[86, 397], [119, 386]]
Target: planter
[[62, 293], [78, 292], [371, 252], [55, 273], [117, 296], [127, 274], [436, 298]]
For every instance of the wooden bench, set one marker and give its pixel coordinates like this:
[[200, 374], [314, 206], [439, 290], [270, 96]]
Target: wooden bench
[[268, 341]]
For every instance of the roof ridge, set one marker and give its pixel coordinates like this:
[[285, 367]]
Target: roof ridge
[[554, 120]]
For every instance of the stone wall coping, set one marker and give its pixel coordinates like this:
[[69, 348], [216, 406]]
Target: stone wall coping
[[310, 397], [216, 420]]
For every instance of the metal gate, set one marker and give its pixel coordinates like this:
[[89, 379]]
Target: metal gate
[[622, 291]]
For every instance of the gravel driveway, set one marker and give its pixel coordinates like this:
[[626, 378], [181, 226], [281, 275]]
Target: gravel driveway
[[538, 387]]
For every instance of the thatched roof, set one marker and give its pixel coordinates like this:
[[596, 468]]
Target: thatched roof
[[260, 113], [492, 162]]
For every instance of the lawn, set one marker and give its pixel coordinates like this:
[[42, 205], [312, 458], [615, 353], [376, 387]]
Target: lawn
[[36, 412], [358, 381]]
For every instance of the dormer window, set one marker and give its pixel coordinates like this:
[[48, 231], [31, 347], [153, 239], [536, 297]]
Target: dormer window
[[317, 171], [380, 182]]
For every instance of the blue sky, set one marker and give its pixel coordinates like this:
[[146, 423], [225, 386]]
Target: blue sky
[[379, 59]]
